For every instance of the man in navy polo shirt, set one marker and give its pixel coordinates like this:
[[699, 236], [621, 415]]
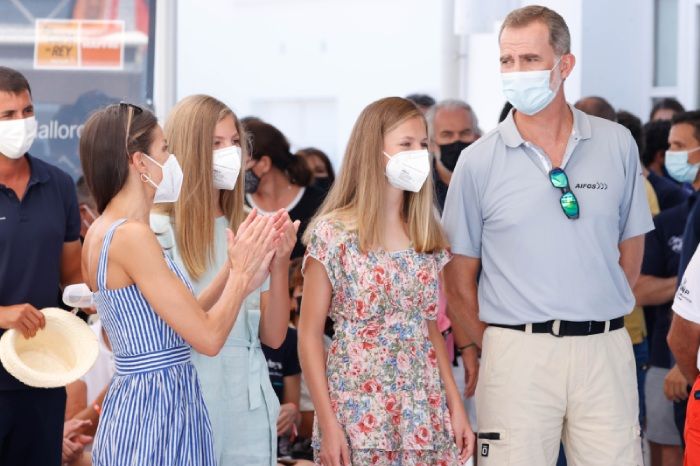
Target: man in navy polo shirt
[[684, 141], [39, 251], [669, 192], [690, 124], [655, 290]]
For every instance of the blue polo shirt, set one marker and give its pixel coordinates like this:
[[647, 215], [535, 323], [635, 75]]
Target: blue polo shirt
[[668, 193], [32, 234], [662, 253], [691, 236]]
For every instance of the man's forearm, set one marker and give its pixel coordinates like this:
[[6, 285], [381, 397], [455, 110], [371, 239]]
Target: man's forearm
[[684, 340], [631, 255], [463, 311], [654, 291]]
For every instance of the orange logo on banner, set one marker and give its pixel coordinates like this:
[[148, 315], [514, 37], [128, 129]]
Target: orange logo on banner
[[102, 44], [56, 44], [75, 44]]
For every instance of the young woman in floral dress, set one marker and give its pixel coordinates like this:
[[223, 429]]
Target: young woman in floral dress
[[385, 396]]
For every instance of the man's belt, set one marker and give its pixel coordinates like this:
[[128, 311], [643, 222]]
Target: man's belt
[[565, 328]]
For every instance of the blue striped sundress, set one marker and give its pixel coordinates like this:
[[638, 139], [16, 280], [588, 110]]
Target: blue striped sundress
[[154, 413]]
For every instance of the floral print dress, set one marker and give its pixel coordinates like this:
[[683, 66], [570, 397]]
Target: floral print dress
[[383, 377]]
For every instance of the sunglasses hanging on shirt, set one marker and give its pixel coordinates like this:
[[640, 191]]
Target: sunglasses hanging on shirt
[[568, 201]]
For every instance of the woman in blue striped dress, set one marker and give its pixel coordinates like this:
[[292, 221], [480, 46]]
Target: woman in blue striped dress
[[154, 413]]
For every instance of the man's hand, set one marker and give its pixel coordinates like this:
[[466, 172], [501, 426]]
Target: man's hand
[[471, 370], [675, 385], [22, 317]]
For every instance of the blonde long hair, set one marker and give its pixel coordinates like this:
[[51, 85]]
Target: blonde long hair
[[190, 134], [357, 196]]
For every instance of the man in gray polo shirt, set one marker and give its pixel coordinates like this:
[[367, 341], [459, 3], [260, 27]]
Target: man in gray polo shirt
[[551, 208]]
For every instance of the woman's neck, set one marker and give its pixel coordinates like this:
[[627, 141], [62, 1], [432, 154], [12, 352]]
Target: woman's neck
[[275, 191], [395, 236], [131, 202], [218, 210], [393, 204]]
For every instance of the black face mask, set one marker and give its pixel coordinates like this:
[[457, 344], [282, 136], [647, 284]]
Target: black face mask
[[252, 181], [449, 153], [323, 183]]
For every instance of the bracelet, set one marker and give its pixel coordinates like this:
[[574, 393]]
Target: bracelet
[[462, 348]]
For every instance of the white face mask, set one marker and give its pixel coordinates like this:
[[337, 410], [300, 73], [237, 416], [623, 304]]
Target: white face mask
[[227, 167], [169, 188], [17, 136], [408, 170], [78, 295], [530, 91]]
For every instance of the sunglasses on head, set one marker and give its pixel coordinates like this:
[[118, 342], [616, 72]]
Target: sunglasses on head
[[131, 111], [568, 201], [126, 106]]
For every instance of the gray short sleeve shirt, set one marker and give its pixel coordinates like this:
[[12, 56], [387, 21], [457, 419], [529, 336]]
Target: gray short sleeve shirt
[[537, 264]]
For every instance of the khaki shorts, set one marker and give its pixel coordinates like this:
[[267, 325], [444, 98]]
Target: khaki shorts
[[536, 390]]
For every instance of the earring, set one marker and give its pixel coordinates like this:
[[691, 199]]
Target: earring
[[144, 178]]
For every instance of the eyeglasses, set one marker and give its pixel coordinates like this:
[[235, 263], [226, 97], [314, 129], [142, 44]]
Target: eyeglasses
[[568, 201]]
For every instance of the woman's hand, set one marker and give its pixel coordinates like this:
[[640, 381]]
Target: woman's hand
[[334, 446], [252, 249], [289, 415], [287, 241], [464, 436], [73, 442]]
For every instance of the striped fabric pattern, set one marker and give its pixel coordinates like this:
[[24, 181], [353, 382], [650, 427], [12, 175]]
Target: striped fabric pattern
[[154, 413]]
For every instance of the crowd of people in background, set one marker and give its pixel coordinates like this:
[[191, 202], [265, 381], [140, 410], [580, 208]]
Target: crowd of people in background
[[525, 296]]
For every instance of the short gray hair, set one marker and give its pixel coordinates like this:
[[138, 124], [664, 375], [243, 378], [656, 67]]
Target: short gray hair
[[559, 36], [450, 104]]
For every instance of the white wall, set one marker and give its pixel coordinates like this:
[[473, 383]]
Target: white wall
[[618, 48], [310, 66], [483, 89], [613, 45], [328, 58]]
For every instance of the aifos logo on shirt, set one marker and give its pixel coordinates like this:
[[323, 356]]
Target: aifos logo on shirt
[[597, 185]]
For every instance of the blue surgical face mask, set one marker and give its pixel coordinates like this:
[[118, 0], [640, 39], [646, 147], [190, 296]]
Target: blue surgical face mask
[[530, 91], [676, 163]]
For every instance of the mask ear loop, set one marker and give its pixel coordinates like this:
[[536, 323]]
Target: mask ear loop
[[561, 79]]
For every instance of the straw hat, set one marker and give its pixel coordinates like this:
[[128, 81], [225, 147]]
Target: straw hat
[[60, 353]]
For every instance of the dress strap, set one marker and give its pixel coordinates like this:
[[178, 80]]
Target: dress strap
[[104, 252]]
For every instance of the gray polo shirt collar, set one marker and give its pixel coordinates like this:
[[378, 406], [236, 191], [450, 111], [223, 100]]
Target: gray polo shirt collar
[[512, 138]]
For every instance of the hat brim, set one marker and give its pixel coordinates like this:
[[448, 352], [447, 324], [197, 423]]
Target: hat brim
[[59, 354]]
